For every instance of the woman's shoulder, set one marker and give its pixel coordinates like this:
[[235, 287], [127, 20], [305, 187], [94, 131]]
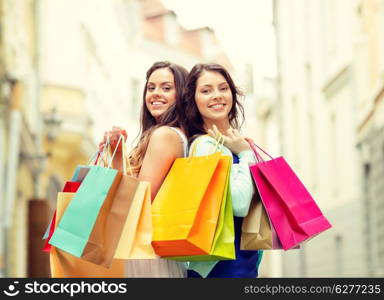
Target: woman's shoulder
[[164, 134]]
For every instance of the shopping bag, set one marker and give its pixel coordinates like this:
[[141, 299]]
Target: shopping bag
[[186, 209], [69, 187], [257, 232], [291, 209], [82, 170], [223, 247], [49, 232], [103, 240], [135, 240], [136, 237], [129, 209], [123, 226], [98, 187], [80, 173], [46, 234], [65, 265]]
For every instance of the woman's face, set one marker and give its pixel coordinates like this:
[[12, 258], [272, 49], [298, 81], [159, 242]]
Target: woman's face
[[161, 92], [213, 97]]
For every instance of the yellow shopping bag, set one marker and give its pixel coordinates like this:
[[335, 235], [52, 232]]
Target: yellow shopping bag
[[186, 208], [135, 240]]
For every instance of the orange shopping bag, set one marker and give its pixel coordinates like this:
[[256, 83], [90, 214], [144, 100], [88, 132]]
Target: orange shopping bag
[[186, 209]]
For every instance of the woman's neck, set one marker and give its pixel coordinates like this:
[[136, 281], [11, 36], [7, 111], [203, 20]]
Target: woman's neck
[[222, 125]]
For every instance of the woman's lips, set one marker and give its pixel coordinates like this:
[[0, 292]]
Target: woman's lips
[[157, 104], [217, 107]]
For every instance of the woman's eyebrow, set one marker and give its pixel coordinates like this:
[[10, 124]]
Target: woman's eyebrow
[[162, 83], [210, 85]]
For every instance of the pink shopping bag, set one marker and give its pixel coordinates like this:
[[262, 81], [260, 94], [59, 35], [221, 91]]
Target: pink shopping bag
[[291, 209]]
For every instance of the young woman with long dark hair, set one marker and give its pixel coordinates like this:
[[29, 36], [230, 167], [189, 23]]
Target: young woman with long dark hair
[[212, 108], [161, 142]]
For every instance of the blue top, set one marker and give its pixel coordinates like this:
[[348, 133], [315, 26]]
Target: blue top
[[246, 263]]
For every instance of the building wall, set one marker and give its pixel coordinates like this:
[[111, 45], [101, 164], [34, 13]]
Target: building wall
[[320, 112], [20, 129], [370, 127]]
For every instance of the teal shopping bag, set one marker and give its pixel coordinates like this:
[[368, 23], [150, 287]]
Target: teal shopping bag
[[75, 227], [78, 176]]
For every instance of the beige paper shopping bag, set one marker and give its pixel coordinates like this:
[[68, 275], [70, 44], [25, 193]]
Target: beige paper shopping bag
[[256, 229], [135, 240]]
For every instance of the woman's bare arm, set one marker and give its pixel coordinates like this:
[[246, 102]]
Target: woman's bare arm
[[163, 148]]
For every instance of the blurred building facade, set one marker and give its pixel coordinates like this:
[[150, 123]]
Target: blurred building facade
[[330, 85], [369, 69], [21, 155], [70, 70]]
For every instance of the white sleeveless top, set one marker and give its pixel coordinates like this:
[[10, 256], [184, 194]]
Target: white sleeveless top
[[183, 139]]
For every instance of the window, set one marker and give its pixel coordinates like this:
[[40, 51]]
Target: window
[[249, 78], [172, 30], [311, 124], [334, 154], [295, 132], [369, 222], [339, 255], [303, 262]]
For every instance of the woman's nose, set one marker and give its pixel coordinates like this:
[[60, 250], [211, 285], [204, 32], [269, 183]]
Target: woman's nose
[[156, 92], [217, 94]]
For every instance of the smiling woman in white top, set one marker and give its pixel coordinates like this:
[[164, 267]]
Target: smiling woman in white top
[[160, 143]]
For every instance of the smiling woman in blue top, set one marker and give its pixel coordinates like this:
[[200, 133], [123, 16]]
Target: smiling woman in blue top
[[211, 106]]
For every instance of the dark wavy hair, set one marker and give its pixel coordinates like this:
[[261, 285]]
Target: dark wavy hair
[[170, 118], [190, 118]]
